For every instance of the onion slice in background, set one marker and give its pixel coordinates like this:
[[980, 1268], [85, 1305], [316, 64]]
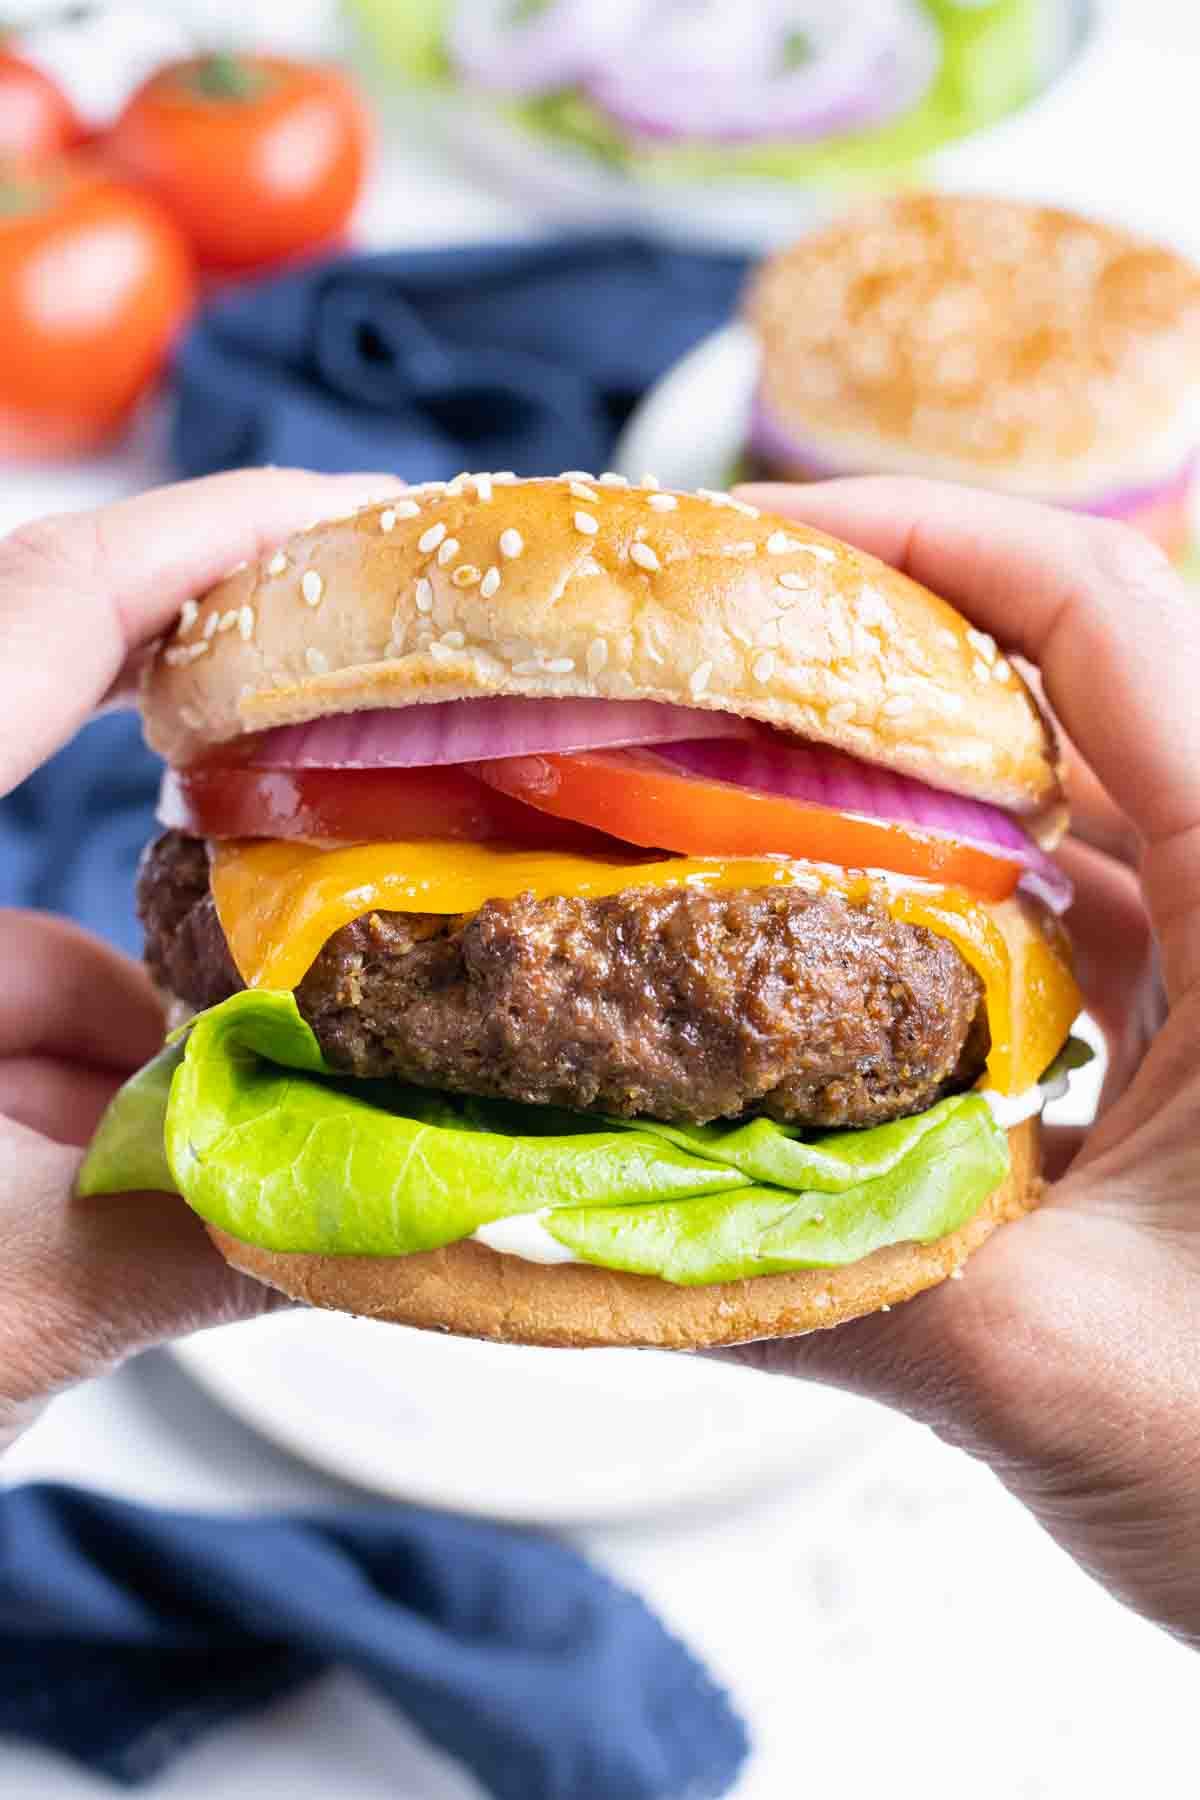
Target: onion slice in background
[[526, 47], [822, 777], [754, 70], [483, 730]]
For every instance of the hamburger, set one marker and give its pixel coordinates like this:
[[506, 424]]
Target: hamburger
[[591, 914], [988, 341]]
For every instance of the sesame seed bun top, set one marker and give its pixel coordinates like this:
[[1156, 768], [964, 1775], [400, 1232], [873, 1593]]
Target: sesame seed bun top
[[983, 340], [584, 587]]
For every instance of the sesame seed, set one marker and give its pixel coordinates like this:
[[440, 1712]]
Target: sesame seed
[[713, 497], [532, 667], [662, 502], [511, 543], [980, 670], [277, 564], [587, 523], [654, 653], [948, 638], [698, 680], [779, 544], [483, 487], [177, 654], [597, 655], [211, 623], [406, 509], [822, 552], [197, 649], [454, 488], [504, 477], [842, 713], [743, 548], [644, 557], [447, 551], [424, 595], [429, 540], [789, 579], [744, 507], [466, 575], [245, 623], [650, 481], [312, 587], [317, 661], [764, 666], [387, 519], [189, 612], [897, 706], [956, 1275], [610, 478], [441, 653], [561, 665], [576, 475], [228, 620], [490, 583], [1000, 670], [453, 640], [582, 491], [979, 640]]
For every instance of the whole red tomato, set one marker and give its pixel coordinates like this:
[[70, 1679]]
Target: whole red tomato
[[36, 118], [94, 283], [257, 158]]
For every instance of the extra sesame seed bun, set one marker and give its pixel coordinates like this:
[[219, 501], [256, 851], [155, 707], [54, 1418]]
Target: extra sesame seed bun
[[981, 340], [582, 588], [472, 1291]]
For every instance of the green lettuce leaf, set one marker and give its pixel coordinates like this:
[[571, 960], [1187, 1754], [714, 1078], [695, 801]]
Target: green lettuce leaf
[[944, 1177], [247, 1121]]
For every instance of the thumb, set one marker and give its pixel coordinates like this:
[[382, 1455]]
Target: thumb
[[89, 1282]]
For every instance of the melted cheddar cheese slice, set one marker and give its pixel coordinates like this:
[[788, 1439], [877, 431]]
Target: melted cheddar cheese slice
[[279, 903]]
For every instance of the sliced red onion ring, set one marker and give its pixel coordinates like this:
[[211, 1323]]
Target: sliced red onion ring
[[524, 47], [465, 731], [722, 70], [822, 777]]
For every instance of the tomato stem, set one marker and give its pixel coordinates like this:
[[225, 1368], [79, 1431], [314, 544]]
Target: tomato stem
[[224, 76]]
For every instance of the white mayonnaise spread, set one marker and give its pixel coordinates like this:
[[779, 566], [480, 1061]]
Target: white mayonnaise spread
[[524, 1236]]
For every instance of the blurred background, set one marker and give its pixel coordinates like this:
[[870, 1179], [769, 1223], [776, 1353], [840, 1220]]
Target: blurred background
[[429, 234]]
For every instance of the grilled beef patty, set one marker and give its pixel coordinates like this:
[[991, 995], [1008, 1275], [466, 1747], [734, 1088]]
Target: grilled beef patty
[[670, 1002]]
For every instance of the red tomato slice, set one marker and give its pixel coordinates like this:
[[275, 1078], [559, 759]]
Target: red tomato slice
[[218, 799], [637, 796]]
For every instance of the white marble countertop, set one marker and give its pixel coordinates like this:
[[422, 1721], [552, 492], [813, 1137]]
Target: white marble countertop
[[900, 1625]]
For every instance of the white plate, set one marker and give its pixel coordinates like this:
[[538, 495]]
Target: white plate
[[560, 1437], [691, 427]]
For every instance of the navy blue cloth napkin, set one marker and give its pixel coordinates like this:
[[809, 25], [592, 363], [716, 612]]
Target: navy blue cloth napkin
[[125, 1633], [507, 356]]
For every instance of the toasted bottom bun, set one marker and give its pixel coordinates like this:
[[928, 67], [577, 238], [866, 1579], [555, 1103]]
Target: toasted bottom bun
[[472, 1291]]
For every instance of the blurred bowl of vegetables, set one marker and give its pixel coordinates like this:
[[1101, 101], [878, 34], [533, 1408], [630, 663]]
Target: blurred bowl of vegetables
[[732, 120]]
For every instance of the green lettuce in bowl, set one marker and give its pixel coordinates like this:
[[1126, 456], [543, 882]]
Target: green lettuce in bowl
[[992, 62]]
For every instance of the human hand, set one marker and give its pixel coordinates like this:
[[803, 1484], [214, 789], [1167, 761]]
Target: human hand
[[1067, 1357], [87, 1282]]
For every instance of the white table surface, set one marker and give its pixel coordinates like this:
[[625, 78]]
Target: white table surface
[[903, 1626]]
